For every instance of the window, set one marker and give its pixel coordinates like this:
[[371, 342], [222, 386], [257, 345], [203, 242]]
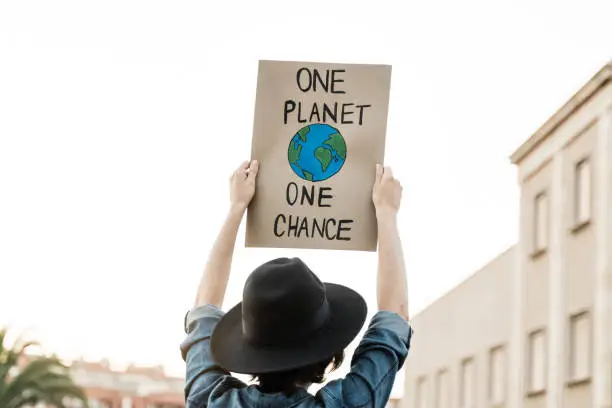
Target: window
[[442, 390], [540, 236], [537, 362], [421, 393], [468, 384], [580, 347], [582, 193], [497, 376]]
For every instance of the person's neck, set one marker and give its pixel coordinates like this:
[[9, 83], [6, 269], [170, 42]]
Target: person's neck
[[298, 387]]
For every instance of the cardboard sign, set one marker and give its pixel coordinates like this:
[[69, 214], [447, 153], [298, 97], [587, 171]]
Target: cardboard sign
[[319, 131]]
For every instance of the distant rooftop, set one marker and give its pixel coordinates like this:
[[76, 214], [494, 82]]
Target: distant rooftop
[[501, 257], [104, 366]]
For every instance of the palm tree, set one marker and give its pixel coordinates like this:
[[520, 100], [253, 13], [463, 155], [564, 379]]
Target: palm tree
[[43, 380]]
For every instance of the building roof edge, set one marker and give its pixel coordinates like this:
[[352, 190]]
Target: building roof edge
[[483, 268], [598, 81]]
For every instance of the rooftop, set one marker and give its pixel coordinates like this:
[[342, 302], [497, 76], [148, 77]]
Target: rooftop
[[493, 263], [598, 81]]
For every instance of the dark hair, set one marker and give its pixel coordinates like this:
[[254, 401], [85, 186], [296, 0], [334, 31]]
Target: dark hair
[[289, 381]]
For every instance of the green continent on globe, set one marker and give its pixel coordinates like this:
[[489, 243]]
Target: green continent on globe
[[303, 132], [336, 142], [307, 175], [294, 154], [324, 156]]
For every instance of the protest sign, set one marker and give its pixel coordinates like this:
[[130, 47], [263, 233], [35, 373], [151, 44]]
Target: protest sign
[[319, 131]]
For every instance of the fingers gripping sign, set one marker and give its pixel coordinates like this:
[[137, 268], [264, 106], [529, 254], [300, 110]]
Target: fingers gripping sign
[[252, 170], [244, 168], [242, 184], [387, 191]]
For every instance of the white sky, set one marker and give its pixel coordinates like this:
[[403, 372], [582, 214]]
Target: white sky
[[111, 191]]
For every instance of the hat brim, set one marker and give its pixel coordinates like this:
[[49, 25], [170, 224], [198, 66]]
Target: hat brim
[[230, 349]]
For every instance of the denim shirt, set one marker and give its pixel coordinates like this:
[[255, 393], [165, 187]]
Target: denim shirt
[[375, 363]]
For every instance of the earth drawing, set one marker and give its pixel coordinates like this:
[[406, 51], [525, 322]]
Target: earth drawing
[[317, 152]]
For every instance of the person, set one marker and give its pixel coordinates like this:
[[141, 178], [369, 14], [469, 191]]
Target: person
[[290, 327]]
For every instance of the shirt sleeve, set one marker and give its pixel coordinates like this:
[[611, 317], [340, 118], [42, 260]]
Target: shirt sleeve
[[203, 374], [379, 356]]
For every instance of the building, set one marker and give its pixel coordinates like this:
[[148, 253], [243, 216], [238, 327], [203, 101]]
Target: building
[[533, 328], [134, 387], [449, 342]]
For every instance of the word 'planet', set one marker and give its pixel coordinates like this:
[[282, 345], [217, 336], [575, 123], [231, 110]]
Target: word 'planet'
[[317, 152]]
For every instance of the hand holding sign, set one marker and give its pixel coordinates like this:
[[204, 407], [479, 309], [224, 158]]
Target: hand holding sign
[[242, 184], [387, 191]]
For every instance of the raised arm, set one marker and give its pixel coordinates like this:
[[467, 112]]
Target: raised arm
[[385, 344], [392, 290], [211, 290]]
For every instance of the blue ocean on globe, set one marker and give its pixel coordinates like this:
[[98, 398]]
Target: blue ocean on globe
[[317, 152]]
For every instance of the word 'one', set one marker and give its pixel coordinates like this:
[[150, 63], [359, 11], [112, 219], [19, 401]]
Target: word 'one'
[[329, 81], [296, 226]]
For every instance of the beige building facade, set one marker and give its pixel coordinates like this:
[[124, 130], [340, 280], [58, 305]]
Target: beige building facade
[[533, 328]]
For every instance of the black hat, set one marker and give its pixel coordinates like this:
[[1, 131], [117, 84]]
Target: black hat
[[288, 319]]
